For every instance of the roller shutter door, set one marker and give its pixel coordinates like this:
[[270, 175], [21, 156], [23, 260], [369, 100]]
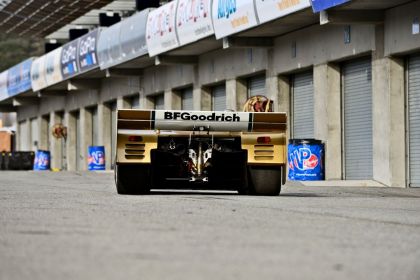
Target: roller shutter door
[[358, 144], [303, 106], [160, 102], [219, 98], [187, 99], [256, 86], [414, 120]]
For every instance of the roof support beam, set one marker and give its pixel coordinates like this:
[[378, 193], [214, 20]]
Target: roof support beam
[[351, 17], [248, 42], [53, 93], [25, 101], [7, 109], [83, 84], [173, 60], [123, 72]]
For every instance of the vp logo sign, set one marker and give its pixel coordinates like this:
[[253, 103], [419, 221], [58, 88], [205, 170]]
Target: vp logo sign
[[303, 159]]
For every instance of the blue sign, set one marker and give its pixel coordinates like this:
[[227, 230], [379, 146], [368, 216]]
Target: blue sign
[[19, 78], [320, 5], [87, 56], [69, 66]]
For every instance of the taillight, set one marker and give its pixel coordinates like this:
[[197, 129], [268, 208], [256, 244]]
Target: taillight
[[264, 140], [133, 138]]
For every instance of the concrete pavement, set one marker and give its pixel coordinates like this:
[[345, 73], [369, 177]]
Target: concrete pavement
[[72, 225]]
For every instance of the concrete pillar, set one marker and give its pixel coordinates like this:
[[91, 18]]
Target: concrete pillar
[[272, 91], [70, 123], [43, 126], [104, 131], [327, 116], [236, 94], [201, 99], [85, 137], [123, 103], [283, 104], [172, 100], [56, 144], [146, 102], [388, 121]]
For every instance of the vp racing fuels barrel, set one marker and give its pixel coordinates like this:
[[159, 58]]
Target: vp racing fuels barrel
[[161, 149]]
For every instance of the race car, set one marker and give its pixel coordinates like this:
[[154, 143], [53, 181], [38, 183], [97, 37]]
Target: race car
[[211, 150]]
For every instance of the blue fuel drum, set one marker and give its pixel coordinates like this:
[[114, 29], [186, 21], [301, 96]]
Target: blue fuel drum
[[306, 160], [96, 158], [42, 160]]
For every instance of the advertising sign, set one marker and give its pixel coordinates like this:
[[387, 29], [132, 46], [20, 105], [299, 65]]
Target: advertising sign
[[193, 20], [231, 16], [272, 9], [320, 5], [38, 80], [87, 48], [19, 78], [133, 36], [69, 66], [53, 67], [3, 85], [109, 47], [160, 30]]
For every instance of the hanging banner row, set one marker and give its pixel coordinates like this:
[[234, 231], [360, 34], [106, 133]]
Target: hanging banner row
[[152, 32], [75, 57]]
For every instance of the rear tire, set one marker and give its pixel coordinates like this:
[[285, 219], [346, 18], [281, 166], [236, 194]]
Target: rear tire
[[264, 180], [132, 179]]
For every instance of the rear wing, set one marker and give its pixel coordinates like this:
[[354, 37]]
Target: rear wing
[[196, 120]]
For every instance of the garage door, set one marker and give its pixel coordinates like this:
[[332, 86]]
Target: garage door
[[256, 86], [187, 99], [414, 120], [24, 136], [219, 98], [160, 102], [357, 94], [303, 105]]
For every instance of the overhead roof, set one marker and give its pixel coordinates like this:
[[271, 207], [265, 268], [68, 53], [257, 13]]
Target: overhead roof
[[39, 18]]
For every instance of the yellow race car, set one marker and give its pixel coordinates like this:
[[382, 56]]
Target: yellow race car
[[172, 149]]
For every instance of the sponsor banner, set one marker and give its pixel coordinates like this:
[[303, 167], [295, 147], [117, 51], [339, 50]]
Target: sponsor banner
[[87, 51], [69, 65], [320, 5], [193, 20], [3, 85], [19, 78], [160, 30], [38, 79], [272, 9], [53, 67], [187, 120], [133, 36], [232, 16], [109, 47]]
